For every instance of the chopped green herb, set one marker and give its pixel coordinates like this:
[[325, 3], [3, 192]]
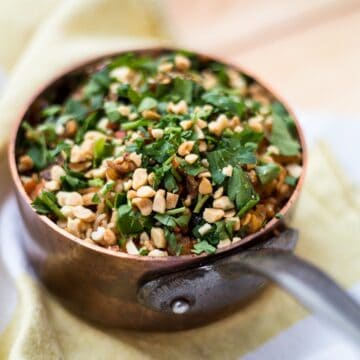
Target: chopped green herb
[[203, 246], [282, 138], [267, 172], [45, 203], [241, 191], [291, 180]]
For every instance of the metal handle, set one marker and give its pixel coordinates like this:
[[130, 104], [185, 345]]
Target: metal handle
[[308, 284], [210, 287]]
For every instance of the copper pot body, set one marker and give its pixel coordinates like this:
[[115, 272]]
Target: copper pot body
[[102, 285]]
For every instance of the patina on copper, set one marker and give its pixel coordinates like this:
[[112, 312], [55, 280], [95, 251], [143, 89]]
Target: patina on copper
[[100, 284]]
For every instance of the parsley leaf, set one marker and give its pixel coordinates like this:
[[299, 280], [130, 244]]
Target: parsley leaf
[[291, 180], [102, 150], [45, 203], [218, 159], [281, 137], [203, 246], [131, 222], [147, 103], [227, 103], [267, 172], [241, 191]]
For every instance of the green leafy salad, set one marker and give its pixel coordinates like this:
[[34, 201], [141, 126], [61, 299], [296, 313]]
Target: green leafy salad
[[159, 154]]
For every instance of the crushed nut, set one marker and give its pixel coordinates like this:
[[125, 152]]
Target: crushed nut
[[182, 63], [205, 186], [158, 237], [159, 203], [25, 163], [69, 198], [145, 191], [185, 148], [84, 214], [212, 215], [171, 200], [224, 203], [204, 229], [227, 170], [140, 178], [191, 158], [131, 248], [143, 204]]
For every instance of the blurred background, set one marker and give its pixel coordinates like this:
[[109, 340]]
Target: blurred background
[[309, 50]]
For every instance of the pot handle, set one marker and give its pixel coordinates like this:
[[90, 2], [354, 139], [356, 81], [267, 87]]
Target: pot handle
[[308, 284], [199, 288]]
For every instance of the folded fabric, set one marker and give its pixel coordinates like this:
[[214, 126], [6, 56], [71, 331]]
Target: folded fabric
[[42, 326]]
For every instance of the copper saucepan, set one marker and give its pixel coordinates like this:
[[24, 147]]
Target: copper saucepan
[[171, 293]]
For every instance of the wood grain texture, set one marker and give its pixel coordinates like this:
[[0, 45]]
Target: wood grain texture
[[309, 51]]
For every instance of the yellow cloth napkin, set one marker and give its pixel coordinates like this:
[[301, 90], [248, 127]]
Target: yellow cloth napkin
[[327, 214]]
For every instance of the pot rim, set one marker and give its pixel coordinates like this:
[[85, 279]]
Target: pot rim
[[272, 224]]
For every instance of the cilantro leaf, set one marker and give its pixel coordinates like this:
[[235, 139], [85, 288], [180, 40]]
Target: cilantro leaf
[[241, 191], [291, 180], [203, 246], [182, 89], [88, 124], [227, 103], [98, 83], [147, 103], [281, 137], [45, 203], [160, 150], [131, 222], [102, 150], [218, 159], [76, 109], [267, 172]]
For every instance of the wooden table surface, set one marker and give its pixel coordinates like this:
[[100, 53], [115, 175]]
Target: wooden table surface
[[309, 51]]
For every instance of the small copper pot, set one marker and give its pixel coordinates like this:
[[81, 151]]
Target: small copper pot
[[171, 293]]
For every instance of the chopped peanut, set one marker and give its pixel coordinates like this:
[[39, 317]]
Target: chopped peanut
[[224, 203], [212, 215], [52, 185], [294, 170], [191, 158], [131, 248], [98, 234], [157, 133], [227, 170], [185, 148], [69, 198], [204, 229], [25, 163], [171, 200], [205, 186], [186, 124], [140, 178], [145, 191], [223, 243], [182, 63], [57, 172], [84, 214], [218, 192], [135, 158], [158, 253], [179, 109], [159, 203], [143, 204], [158, 237]]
